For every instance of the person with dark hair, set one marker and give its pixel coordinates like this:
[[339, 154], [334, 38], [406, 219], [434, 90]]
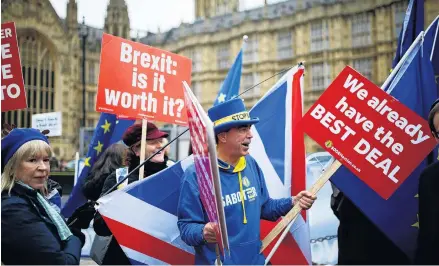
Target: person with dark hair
[[111, 159], [245, 195], [428, 238], [132, 138]]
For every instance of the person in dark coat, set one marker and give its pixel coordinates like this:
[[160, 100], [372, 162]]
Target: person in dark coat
[[112, 159], [132, 137], [33, 232], [428, 238], [360, 242]]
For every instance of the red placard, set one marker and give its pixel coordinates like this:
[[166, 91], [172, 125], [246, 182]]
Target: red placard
[[378, 138], [13, 91], [206, 166], [140, 81]]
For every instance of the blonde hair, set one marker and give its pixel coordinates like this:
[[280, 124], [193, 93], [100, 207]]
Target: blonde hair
[[27, 150]]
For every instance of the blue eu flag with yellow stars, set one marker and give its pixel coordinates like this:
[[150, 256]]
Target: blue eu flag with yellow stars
[[108, 131]]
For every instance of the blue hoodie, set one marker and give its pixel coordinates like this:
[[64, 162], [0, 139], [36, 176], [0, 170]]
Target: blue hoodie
[[243, 220]]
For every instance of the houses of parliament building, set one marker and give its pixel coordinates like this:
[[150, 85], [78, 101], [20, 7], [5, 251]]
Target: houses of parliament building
[[325, 34]]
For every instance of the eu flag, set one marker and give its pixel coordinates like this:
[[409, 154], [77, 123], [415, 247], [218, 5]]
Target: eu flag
[[415, 87], [108, 131], [413, 24], [230, 87]]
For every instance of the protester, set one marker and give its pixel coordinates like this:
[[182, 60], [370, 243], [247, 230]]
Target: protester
[[428, 238], [132, 138], [241, 178], [33, 232], [113, 158]]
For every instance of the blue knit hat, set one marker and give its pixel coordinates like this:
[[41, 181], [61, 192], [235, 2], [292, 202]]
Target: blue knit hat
[[230, 114], [15, 139]]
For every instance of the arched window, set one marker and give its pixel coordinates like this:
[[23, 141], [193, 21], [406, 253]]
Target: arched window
[[37, 62]]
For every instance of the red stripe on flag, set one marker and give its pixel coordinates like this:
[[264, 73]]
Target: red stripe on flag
[[288, 253], [298, 173], [141, 242]]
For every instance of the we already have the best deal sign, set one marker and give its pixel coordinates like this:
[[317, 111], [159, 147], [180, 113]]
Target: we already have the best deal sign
[[140, 81], [378, 138]]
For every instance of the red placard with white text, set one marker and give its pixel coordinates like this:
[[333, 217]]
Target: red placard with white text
[[143, 82], [13, 91], [374, 135]]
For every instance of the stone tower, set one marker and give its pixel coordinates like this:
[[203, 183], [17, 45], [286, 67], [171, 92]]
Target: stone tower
[[117, 21], [72, 15], [210, 8]]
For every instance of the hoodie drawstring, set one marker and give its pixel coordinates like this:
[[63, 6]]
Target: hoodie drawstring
[[241, 191], [240, 166]]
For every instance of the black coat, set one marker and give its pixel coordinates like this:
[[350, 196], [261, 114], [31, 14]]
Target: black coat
[[92, 187], [28, 234], [428, 238], [360, 242], [115, 254]]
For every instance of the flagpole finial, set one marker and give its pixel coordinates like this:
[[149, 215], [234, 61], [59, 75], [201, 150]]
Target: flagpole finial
[[245, 38]]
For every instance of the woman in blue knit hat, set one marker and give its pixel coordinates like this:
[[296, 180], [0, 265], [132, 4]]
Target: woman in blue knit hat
[[33, 232]]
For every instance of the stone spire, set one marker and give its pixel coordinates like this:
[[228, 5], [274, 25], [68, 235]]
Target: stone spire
[[117, 21], [72, 15]]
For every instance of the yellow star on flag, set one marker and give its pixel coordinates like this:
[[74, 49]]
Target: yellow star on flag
[[417, 223], [106, 127], [87, 161], [98, 148]]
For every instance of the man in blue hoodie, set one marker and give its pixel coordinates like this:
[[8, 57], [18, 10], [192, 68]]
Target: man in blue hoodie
[[245, 195]]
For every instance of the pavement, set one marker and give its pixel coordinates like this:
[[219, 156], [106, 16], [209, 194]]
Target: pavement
[[87, 261]]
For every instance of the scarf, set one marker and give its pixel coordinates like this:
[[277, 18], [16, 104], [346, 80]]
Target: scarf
[[63, 230]]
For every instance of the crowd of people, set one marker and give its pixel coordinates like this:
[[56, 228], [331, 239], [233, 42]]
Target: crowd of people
[[34, 231]]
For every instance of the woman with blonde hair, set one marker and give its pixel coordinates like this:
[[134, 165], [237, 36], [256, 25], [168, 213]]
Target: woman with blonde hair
[[33, 232]]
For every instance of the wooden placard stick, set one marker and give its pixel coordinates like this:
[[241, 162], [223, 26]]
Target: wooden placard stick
[[291, 215], [143, 147]]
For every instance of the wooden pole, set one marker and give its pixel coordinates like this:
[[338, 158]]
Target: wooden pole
[[218, 256], [292, 214], [143, 147]]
